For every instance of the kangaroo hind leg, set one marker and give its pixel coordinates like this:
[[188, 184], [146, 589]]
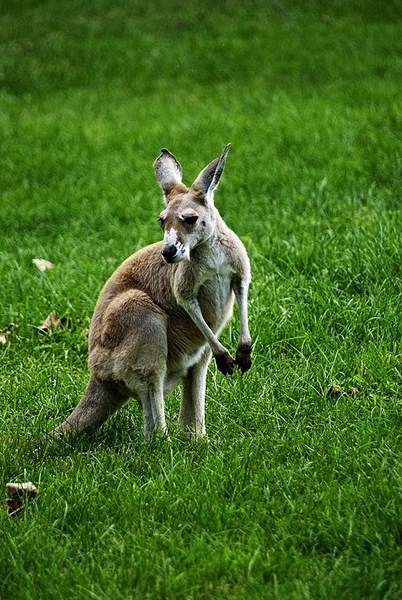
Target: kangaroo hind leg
[[192, 410], [128, 359], [141, 359]]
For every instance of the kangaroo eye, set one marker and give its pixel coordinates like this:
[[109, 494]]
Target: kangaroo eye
[[161, 221], [190, 219]]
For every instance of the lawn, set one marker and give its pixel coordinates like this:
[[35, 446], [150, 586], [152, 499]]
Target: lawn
[[297, 493]]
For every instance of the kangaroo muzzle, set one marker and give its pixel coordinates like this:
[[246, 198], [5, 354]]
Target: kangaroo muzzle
[[173, 251], [169, 253]]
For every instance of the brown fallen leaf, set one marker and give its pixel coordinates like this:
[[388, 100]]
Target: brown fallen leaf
[[42, 264], [16, 493], [334, 391], [53, 323], [4, 335], [355, 392]]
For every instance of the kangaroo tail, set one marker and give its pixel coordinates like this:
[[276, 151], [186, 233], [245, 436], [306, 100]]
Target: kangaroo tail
[[99, 401]]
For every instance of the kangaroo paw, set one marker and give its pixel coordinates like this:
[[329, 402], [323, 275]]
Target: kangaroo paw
[[225, 363], [243, 357]]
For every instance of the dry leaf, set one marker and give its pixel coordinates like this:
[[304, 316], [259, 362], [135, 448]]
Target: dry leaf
[[334, 391], [50, 324], [16, 492], [4, 335], [355, 392], [42, 264], [53, 322]]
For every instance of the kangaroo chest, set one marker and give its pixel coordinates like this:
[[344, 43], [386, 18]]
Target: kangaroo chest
[[215, 297], [216, 300], [186, 342]]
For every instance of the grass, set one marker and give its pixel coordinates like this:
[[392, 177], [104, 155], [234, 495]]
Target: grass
[[297, 493]]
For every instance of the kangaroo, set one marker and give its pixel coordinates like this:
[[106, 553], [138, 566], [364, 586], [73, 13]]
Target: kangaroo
[[158, 317]]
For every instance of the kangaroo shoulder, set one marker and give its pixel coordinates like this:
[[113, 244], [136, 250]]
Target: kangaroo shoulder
[[233, 250]]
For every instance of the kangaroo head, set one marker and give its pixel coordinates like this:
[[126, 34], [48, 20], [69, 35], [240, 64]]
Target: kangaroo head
[[188, 218]]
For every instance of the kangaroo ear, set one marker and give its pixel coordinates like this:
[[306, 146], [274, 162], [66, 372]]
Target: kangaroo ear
[[167, 170], [207, 181]]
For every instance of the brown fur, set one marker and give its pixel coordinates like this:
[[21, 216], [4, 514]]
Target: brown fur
[[173, 189]]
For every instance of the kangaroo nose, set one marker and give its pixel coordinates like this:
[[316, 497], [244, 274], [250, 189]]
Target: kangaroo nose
[[169, 252]]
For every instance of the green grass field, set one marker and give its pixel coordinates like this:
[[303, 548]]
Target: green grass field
[[298, 492]]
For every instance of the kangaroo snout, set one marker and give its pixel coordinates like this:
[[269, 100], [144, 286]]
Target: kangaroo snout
[[174, 253], [170, 254], [173, 249]]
